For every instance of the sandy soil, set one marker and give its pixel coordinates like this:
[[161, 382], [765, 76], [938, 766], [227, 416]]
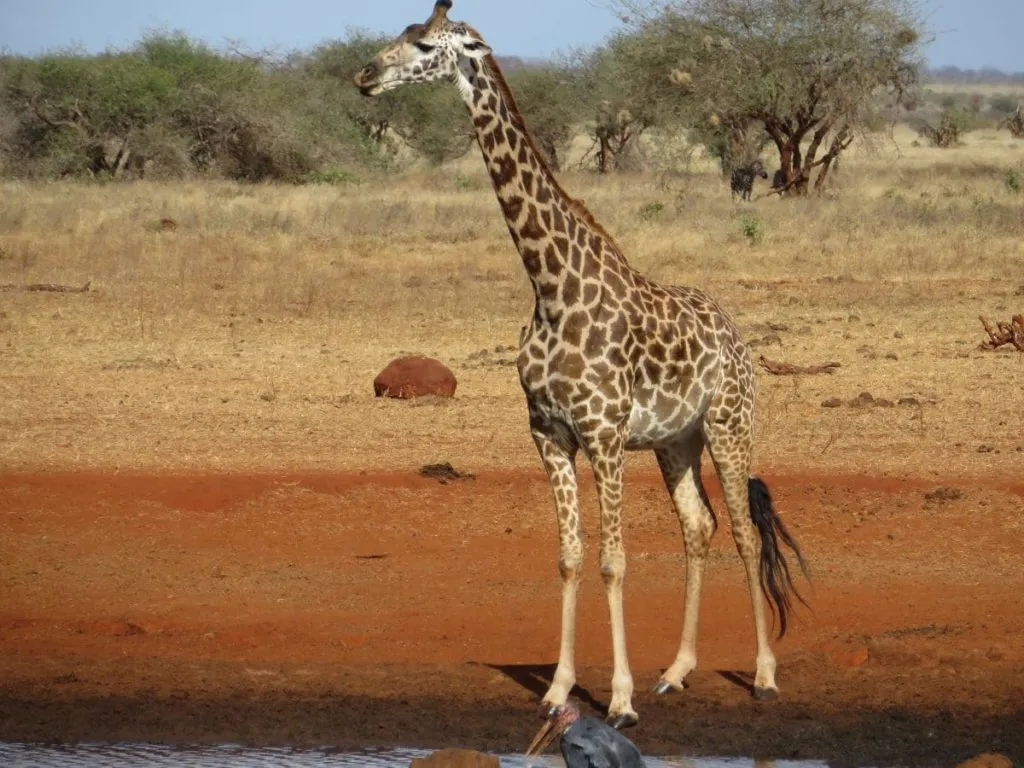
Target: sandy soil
[[370, 608]]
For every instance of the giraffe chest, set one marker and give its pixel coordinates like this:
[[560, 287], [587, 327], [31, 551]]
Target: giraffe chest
[[567, 390]]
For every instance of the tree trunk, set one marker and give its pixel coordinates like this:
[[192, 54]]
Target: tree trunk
[[602, 154], [786, 166], [840, 141], [123, 154]]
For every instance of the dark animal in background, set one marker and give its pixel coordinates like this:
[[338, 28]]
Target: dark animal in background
[[779, 180], [586, 741], [742, 179]]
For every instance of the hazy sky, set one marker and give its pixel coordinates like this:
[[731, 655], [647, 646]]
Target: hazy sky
[[969, 33]]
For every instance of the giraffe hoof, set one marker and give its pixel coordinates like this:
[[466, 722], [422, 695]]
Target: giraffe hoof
[[765, 694], [625, 720], [547, 710], [664, 686]]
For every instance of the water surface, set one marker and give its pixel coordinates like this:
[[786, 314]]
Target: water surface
[[19, 755]]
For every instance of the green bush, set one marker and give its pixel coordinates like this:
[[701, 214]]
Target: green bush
[[1014, 181], [752, 227], [953, 123], [1003, 104], [651, 211], [550, 107], [172, 107]]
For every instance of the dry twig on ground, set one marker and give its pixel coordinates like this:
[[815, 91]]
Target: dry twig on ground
[[48, 287], [778, 368], [1004, 333]]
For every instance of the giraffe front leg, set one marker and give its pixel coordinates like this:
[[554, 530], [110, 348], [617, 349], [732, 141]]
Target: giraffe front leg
[[607, 460], [561, 471]]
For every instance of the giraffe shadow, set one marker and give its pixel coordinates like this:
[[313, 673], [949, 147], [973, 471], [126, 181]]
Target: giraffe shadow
[[743, 680], [536, 678]]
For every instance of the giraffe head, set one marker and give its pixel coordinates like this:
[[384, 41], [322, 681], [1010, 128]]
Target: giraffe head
[[435, 50]]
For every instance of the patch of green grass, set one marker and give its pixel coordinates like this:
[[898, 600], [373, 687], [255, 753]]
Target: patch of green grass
[[1014, 181], [334, 176], [651, 211]]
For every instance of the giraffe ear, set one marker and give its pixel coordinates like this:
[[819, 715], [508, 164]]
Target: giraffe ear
[[474, 47]]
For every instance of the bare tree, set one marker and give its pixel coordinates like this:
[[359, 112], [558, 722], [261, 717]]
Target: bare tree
[[1014, 123]]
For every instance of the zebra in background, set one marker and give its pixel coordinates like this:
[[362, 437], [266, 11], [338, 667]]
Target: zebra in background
[[742, 179]]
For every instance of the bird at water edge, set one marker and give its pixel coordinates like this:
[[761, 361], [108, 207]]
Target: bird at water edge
[[586, 741]]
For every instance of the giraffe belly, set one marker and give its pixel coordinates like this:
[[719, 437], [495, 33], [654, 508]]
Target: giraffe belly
[[660, 421]]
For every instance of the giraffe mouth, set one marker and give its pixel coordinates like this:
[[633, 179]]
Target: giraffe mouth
[[367, 80], [377, 86]]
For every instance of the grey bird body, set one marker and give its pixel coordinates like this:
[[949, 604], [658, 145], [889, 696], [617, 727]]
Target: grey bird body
[[591, 743], [586, 742]]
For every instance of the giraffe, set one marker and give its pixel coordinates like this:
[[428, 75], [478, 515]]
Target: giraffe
[[611, 361]]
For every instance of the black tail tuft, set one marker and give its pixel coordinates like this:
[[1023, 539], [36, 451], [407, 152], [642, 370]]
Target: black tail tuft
[[776, 580]]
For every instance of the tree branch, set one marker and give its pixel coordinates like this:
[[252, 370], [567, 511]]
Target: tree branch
[[1004, 333], [779, 368], [54, 122]]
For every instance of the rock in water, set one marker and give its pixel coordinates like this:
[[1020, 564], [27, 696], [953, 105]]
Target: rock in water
[[414, 376], [456, 758], [987, 760]]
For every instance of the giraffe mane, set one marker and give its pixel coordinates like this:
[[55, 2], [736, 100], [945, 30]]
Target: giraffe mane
[[575, 205]]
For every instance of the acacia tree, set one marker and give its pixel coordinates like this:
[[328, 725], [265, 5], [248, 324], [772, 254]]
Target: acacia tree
[[807, 72], [614, 85], [549, 104], [428, 119]]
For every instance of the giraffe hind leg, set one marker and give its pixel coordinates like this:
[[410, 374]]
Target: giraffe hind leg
[[680, 468], [759, 535]]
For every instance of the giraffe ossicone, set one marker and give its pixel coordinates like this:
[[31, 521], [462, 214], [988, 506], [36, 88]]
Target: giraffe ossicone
[[610, 362]]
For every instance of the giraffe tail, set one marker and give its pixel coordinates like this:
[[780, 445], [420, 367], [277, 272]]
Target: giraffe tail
[[776, 579]]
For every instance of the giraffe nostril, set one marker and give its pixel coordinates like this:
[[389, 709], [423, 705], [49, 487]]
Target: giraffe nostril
[[368, 72]]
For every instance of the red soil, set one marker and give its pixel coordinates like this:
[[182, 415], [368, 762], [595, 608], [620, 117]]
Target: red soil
[[359, 609]]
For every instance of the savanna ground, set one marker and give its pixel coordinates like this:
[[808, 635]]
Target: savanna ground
[[210, 530]]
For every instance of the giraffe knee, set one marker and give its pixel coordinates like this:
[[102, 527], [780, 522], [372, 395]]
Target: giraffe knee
[[569, 569], [613, 570], [697, 540]]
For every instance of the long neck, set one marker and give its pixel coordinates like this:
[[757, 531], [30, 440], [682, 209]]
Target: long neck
[[557, 239]]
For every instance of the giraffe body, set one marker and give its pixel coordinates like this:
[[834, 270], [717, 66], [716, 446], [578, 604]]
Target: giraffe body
[[610, 361]]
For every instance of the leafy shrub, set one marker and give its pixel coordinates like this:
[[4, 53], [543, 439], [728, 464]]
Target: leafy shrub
[[953, 123], [1014, 181], [1002, 104], [752, 227], [651, 211], [171, 107]]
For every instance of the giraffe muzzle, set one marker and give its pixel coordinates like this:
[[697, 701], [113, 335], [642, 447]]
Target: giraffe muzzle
[[367, 80]]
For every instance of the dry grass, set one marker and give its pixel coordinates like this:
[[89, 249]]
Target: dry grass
[[984, 89], [248, 337]]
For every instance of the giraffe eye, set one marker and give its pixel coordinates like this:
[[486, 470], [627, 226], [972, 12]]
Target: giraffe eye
[[425, 47]]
